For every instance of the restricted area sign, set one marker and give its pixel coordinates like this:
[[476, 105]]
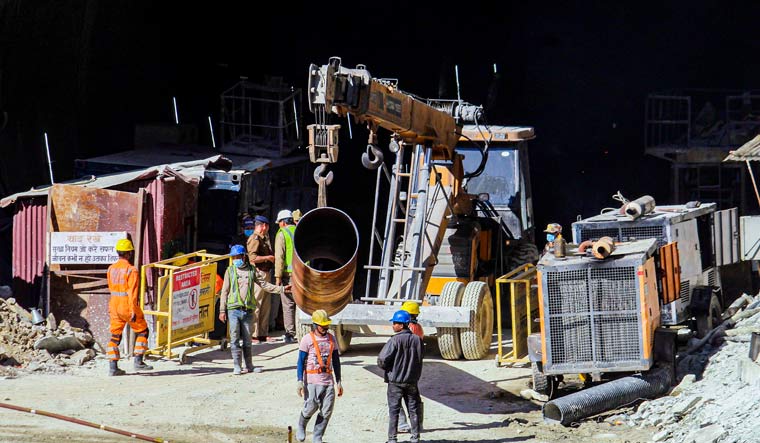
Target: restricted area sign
[[186, 294], [192, 303]]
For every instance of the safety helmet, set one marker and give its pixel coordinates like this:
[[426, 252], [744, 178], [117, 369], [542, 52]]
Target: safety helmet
[[124, 245], [237, 250], [182, 261], [401, 317], [296, 215], [319, 317], [248, 221], [554, 228], [411, 307], [284, 214]]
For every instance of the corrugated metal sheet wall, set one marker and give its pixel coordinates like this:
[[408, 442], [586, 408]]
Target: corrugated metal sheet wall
[[29, 235]]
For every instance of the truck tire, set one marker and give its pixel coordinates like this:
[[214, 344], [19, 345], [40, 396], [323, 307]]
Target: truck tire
[[476, 339], [542, 383], [711, 319], [448, 338], [523, 253], [343, 337]]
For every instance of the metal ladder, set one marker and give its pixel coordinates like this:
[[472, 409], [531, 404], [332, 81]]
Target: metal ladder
[[402, 280]]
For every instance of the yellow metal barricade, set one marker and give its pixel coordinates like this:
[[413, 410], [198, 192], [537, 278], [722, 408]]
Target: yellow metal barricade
[[524, 307], [185, 304]]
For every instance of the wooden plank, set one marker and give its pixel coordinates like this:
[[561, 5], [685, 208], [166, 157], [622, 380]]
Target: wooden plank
[[93, 284]]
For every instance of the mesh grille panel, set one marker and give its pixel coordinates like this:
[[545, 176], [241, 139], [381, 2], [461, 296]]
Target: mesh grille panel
[[568, 292], [642, 232], [596, 234], [685, 294], [711, 277], [613, 289], [571, 339], [617, 337]]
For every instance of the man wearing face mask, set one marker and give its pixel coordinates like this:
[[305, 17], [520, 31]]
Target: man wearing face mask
[[261, 256], [238, 302], [553, 236]]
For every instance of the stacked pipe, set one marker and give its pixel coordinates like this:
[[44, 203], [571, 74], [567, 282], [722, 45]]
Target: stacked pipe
[[640, 206], [325, 245]]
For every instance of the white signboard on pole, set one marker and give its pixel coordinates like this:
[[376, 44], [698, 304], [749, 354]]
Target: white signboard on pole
[[186, 290], [84, 248]]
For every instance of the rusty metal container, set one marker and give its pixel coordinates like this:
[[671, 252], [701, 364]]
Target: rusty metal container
[[325, 245]]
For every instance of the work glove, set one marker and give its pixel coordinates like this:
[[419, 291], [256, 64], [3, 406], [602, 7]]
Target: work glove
[[340, 390], [300, 388]]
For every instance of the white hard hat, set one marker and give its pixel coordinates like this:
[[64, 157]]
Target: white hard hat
[[282, 215]]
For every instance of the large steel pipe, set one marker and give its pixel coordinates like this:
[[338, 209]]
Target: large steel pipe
[[324, 260]]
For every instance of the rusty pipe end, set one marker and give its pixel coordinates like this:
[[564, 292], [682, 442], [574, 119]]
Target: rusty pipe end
[[603, 247], [325, 246]]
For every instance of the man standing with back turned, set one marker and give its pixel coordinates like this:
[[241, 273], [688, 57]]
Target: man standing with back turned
[[124, 307], [401, 358], [283, 267]]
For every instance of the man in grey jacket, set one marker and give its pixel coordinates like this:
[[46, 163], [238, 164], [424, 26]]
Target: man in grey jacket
[[401, 359]]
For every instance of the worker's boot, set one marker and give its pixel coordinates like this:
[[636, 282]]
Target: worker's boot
[[319, 428], [248, 359], [114, 370], [140, 364], [236, 356], [301, 429]]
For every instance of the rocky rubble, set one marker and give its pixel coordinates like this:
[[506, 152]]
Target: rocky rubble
[[24, 346], [720, 403]]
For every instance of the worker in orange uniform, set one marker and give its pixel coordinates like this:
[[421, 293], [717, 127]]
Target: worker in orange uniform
[[124, 307]]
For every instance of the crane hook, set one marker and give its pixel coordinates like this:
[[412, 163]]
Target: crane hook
[[319, 173], [378, 157]]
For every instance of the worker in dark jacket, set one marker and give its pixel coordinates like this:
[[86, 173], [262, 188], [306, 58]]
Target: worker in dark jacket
[[401, 359]]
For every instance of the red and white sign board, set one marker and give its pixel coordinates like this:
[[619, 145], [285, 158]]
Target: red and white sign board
[[186, 292]]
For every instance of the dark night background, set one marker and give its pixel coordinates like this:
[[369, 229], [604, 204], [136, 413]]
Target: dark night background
[[87, 71]]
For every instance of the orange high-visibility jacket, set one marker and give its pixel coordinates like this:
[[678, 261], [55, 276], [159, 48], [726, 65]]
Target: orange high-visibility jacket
[[123, 280]]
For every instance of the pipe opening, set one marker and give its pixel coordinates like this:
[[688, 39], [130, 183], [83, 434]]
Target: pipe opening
[[552, 413], [326, 239]]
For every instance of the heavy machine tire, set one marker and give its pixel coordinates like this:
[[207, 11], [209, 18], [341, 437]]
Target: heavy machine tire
[[476, 339], [448, 338], [542, 383], [343, 337], [711, 319], [523, 252]]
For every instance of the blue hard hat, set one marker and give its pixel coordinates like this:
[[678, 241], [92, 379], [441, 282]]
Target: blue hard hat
[[237, 250], [261, 219], [401, 317], [247, 221]]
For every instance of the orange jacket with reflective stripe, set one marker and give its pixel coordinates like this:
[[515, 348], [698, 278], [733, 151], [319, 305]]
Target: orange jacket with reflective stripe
[[123, 281]]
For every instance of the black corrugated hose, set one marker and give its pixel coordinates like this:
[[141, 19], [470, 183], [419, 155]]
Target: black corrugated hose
[[613, 394]]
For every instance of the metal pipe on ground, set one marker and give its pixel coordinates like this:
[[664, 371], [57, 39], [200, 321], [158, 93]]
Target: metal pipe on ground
[[325, 245], [611, 395], [603, 247], [640, 206]]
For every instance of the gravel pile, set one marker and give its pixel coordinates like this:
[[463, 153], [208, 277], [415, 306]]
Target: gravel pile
[[717, 399], [22, 346]]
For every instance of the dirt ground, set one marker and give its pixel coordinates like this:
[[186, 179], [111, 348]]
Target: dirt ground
[[203, 402]]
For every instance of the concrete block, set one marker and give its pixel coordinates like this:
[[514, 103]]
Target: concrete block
[[661, 436], [708, 434], [687, 381], [749, 371]]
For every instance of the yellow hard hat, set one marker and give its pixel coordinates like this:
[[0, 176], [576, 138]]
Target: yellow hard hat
[[319, 317], [182, 261], [296, 215], [124, 245], [411, 307]]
